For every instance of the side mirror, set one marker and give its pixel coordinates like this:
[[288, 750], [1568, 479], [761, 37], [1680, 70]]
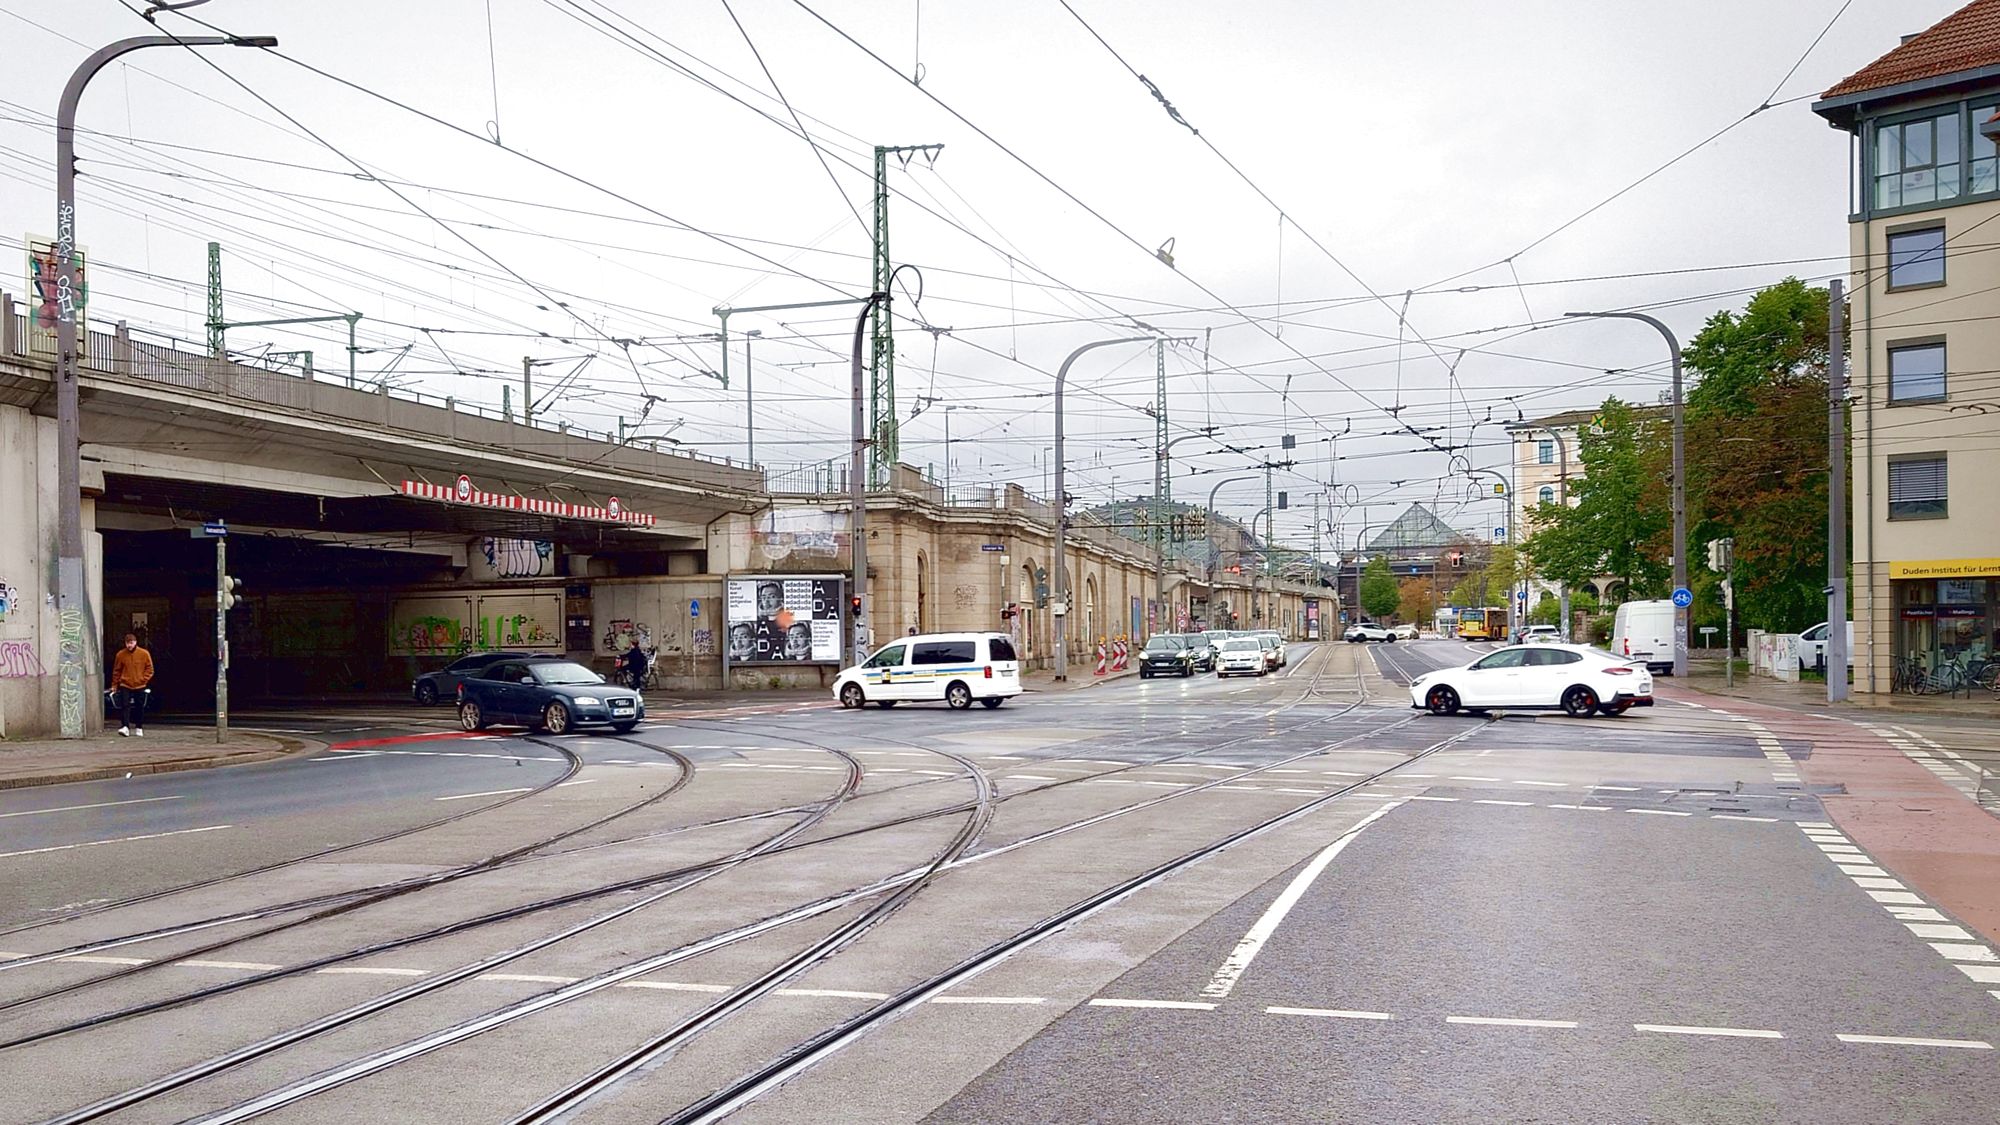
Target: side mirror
[[527, 679]]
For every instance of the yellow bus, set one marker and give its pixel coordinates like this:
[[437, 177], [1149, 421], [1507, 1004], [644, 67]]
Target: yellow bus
[[1485, 624]]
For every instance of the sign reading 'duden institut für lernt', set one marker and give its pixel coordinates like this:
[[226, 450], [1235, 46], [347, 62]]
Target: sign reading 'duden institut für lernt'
[[462, 492], [1946, 568]]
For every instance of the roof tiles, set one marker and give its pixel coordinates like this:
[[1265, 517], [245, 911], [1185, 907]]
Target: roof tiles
[[1964, 40]]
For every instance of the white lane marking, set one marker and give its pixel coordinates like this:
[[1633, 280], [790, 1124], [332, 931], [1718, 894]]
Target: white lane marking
[[1658, 812], [529, 978], [1548, 784], [1913, 1041], [1954, 951], [1947, 932], [88, 959], [1583, 808], [1617, 788], [837, 993], [1882, 884], [1188, 1005], [593, 780], [98, 805], [1754, 819], [1246, 950], [1915, 914], [1903, 898], [1307, 791], [488, 793], [118, 840], [253, 966], [1499, 1021], [1732, 1032], [1330, 1013], [371, 971], [1433, 798], [1484, 801], [1814, 824], [1456, 777], [988, 1000], [672, 986], [1028, 777], [1863, 869]]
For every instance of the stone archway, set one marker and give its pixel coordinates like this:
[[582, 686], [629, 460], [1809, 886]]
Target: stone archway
[[1091, 628]]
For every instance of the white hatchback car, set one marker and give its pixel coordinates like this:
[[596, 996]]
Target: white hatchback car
[[1241, 656], [1576, 678], [956, 668]]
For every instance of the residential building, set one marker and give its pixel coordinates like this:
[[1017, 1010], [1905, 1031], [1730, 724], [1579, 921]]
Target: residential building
[[1546, 465], [1925, 342]]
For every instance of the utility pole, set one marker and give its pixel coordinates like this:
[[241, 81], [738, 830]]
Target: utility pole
[[749, 402], [527, 391], [1160, 485], [1836, 495], [72, 599], [215, 337], [882, 344]]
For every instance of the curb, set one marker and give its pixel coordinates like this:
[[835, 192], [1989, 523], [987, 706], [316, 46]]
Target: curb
[[285, 748], [1093, 681]]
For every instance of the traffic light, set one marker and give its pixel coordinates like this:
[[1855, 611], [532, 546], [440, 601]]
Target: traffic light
[[1283, 502], [1458, 560], [1721, 554], [854, 606], [231, 592]]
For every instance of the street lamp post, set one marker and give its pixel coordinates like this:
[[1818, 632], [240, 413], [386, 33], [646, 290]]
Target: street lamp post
[[749, 402], [71, 597], [1162, 485], [1062, 508], [1208, 524], [1680, 482]]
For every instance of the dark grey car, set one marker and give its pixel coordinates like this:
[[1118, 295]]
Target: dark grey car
[[430, 687]]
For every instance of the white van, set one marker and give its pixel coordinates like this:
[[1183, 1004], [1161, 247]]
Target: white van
[[954, 667], [1645, 631], [1811, 647]]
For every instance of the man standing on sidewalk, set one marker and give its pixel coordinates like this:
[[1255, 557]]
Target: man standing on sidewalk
[[131, 685]]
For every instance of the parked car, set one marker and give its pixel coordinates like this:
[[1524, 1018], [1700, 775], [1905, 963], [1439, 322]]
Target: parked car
[[443, 683], [1644, 630], [1541, 635], [1362, 631], [1168, 655], [1241, 656], [1578, 679], [1811, 649], [553, 694], [1274, 650], [1404, 632], [956, 668]]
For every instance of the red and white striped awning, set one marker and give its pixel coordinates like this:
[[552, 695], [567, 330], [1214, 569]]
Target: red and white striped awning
[[463, 493]]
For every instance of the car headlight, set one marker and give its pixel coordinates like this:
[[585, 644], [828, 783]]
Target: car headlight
[[587, 700]]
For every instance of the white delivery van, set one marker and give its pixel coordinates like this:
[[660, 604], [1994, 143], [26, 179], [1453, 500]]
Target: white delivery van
[[956, 668], [1811, 648], [1645, 631]]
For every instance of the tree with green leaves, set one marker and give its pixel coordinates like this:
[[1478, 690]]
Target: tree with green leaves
[[1620, 520], [1379, 595], [1756, 442]]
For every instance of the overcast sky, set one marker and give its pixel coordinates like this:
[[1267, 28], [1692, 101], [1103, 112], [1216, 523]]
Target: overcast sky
[[1416, 144]]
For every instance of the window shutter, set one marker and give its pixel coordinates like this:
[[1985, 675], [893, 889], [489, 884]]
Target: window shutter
[[1917, 482]]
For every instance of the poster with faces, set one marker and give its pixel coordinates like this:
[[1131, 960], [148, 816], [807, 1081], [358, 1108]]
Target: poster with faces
[[779, 620]]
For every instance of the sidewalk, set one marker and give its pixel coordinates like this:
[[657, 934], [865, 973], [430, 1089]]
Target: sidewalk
[[56, 761], [1708, 679], [1080, 677]]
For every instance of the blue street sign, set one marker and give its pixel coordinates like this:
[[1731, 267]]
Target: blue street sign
[[1499, 534], [993, 548], [214, 529], [1521, 595], [694, 607], [1682, 597]]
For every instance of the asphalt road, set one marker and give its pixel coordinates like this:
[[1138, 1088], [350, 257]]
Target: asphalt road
[[1523, 919]]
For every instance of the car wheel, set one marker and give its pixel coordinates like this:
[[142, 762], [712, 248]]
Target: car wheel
[[1144, 674], [427, 694], [469, 716], [1579, 701], [624, 728], [1390, 639], [851, 696], [1613, 710], [1186, 671], [555, 718], [992, 703], [885, 704], [958, 696], [1441, 700]]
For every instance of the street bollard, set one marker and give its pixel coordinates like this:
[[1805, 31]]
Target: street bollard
[[1100, 657]]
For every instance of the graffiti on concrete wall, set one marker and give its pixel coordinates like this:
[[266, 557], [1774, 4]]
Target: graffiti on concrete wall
[[530, 621], [69, 659], [704, 642], [9, 599], [967, 596], [518, 558], [19, 660], [429, 636], [620, 634]]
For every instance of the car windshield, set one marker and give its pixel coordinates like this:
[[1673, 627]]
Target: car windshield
[[1240, 644], [563, 672], [1165, 644]]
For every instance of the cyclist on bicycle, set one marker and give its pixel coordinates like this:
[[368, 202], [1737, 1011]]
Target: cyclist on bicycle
[[632, 665]]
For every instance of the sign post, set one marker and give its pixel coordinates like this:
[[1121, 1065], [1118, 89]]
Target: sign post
[[218, 531]]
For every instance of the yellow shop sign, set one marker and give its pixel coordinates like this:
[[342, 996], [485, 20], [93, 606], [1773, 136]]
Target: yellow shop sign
[[1946, 568]]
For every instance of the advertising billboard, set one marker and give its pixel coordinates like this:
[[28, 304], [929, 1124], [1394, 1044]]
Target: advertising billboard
[[783, 619]]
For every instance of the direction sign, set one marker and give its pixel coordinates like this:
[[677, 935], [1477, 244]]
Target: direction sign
[[214, 529], [993, 548], [1499, 534], [1683, 598]]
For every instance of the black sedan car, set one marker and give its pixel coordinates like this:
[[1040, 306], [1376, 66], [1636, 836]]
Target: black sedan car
[[1168, 655], [430, 687], [555, 695]]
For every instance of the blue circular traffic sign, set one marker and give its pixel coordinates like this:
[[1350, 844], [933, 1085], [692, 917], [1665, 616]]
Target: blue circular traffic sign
[[1682, 597]]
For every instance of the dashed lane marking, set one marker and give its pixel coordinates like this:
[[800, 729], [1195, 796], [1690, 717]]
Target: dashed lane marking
[[1727, 1032], [1503, 1021], [488, 793], [1183, 1005], [989, 999], [1329, 1013], [1914, 1041], [117, 840], [98, 805]]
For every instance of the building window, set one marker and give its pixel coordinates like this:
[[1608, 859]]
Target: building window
[[1916, 258], [1545, 452], [1917, 487], [1547, 495], [1916, 373], [1985, 165], [1916, 162]]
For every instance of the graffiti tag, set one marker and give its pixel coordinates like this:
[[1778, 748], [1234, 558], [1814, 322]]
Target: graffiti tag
[[519, 558], [69, 660], [18, 660]]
